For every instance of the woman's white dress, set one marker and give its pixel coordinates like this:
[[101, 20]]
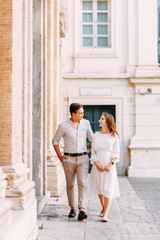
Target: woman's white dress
[[104, 148]]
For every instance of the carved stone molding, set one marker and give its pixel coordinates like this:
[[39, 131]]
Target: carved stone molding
[[20, 190], [55, 174], [62, 26], [3, 184], [5, 206], [63, 18]]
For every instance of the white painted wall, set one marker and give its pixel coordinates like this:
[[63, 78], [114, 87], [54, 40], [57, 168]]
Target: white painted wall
[[95, 60], [133, 54]]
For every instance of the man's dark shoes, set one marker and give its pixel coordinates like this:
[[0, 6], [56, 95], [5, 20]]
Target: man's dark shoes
[[72, 213], [82, 215]]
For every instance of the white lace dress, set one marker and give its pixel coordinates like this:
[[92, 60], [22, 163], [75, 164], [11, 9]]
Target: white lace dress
[[104, 148]]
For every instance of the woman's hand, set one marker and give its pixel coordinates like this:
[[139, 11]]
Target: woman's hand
[[99, 166], [108, 167]]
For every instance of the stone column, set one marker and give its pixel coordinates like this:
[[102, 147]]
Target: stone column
[[5, 110], [55, 173], [11, 157], [20, 188], [27, 86], [37, 144], [145, 145], [45, 63], [132, 36], [39, 102], [50, 71], [147, 65]]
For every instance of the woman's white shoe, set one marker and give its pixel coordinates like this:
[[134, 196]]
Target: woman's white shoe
[[105, 219], [101, 213]]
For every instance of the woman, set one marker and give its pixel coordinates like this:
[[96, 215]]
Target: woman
[[104, 156]]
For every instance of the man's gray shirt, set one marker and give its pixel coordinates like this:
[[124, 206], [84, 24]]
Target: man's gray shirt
[[74, 139]]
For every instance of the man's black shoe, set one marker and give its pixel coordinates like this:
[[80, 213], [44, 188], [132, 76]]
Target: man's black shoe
[[82, 215], [72, 213]]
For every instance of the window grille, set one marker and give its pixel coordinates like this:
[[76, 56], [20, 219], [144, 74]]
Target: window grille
[[95, 24]]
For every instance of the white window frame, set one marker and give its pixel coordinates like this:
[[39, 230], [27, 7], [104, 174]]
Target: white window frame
[[78, 48], [95, 24]]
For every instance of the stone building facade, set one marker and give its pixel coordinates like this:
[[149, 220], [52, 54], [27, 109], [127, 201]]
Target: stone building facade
[[50, 56], [110, 62], [30, 91]]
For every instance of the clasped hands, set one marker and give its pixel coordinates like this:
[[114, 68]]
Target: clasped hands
[[101, 169]]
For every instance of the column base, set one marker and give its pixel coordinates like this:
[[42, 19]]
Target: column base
[[131, 70], [147, 71], [5, 216], [142, 172], [3, 184], [55, 177], [41, 202], [20, 190], [144, 157], [23, 224]]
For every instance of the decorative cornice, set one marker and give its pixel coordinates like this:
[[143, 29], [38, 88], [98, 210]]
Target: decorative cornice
[[88, 75], [145, 80]]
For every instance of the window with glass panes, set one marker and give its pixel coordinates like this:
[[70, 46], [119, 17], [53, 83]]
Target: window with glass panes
[[95, 24]]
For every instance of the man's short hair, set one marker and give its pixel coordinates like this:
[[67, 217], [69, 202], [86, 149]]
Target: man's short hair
[[74, 107]]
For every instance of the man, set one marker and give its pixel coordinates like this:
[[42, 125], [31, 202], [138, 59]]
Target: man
[[75, 159]]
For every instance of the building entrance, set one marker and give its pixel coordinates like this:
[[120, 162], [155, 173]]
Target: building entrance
[[93, 114]]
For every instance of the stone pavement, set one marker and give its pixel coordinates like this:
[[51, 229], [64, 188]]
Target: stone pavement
[[134, 216]]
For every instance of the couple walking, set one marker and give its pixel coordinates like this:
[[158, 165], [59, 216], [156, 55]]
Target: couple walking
[[104, 156]]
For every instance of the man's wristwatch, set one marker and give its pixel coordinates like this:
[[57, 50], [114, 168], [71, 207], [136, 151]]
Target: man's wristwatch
[[112, 162]]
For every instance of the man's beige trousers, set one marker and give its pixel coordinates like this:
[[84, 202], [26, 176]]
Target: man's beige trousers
[[76, 166]]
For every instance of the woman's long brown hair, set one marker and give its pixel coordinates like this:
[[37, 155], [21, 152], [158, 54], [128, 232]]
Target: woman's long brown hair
[[111, 123]]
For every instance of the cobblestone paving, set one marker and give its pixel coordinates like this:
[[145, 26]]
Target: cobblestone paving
[[131, 216], [148, 191]]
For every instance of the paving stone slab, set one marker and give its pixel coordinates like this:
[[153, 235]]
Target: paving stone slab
[[139, 216], [106, 236], [138, 228], [143, 237], [130, 217]]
